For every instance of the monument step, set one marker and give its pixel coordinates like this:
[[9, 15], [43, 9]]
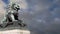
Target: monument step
[[15, 31]]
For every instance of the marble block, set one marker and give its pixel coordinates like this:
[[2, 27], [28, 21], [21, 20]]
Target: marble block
[[15, 31]]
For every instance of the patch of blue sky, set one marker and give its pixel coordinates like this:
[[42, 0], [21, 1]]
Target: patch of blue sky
[[53, 1], [6, 1], [52, 8], [56, 14]]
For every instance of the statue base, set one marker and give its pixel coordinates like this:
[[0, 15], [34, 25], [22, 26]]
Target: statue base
[[12, 25], [15, 31]]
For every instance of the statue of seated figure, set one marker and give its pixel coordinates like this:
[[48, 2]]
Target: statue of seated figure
[[12, 15]]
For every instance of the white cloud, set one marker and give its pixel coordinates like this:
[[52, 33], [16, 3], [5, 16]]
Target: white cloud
[[23, 3], [1, 6], [57, 19], [2, 10]]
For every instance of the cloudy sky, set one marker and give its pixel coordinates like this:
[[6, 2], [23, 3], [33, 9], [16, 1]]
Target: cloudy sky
[[41, 16]]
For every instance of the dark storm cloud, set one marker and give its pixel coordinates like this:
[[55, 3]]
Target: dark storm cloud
[[41, 16]]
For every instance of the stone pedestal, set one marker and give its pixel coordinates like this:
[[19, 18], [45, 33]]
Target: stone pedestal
[[15, 31]]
